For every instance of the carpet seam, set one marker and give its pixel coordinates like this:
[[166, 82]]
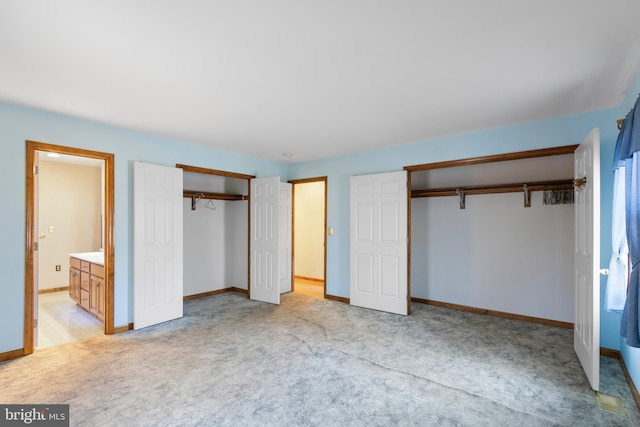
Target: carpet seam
[[438, 383]]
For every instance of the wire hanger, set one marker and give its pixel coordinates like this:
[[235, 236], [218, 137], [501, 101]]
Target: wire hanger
[[210, 205]]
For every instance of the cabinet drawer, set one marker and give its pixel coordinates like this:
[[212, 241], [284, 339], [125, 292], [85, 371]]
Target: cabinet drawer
[[84, 299], [74, 262], [84, 281], [97, 270], [85, 266]]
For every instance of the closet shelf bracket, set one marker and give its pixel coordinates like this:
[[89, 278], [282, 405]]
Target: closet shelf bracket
[[527, 196], [461, 197]]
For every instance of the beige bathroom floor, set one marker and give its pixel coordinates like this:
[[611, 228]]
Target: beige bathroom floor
[[61, 321]]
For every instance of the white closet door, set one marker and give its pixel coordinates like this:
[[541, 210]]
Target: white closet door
[[378, 264], [586, 337], [265, 198], [157, 244], [284, 238]]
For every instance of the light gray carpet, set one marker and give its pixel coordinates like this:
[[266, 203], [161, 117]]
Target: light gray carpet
[[232, 361]]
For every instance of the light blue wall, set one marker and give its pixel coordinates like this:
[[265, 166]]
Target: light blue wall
[[631, 355], [548, 133], [18, 124]]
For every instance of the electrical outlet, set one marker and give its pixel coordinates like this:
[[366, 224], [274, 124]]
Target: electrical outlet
[[58, 267]]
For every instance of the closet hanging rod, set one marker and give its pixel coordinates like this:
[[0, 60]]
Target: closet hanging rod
[[493, 189], [212, 196]]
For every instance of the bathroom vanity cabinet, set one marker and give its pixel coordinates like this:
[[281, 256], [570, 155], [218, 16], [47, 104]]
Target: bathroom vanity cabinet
[[86, 282]]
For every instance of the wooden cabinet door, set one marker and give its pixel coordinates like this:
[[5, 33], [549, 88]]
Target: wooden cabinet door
[[84, 299], [94, 291], [85, 280], [74, 284], [101, 298], [71, 280]]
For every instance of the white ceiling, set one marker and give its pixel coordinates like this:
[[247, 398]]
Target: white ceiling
[[317, 78]]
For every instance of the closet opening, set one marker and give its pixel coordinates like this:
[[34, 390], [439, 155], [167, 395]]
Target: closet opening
[[69, 217], [309, 264], [216, 231], [495, 235]]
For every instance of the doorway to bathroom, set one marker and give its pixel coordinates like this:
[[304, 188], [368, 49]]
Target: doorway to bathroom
[[69, 245]]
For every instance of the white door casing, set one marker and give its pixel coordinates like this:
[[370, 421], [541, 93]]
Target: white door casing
[[378, 242], [264, 233], [586, 341], [157, 244], [284, 236]]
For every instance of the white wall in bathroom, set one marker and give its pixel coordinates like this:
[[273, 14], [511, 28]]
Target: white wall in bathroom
[[70, 201]]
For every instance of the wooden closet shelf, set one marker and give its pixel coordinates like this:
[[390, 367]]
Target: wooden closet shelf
[[493, 189], [207, 195]]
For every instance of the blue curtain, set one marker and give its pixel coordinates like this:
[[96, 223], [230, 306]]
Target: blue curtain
[[628, 152]]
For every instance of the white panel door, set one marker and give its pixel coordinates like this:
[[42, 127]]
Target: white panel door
[[265, 195], [284, 236], [378, 264], [157, 244], [586, 337]]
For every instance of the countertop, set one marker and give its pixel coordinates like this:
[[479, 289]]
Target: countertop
[[92, 257]]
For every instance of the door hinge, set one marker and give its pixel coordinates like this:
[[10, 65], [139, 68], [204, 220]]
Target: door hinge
[[35, 323], [35, 170], [35, 246]]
